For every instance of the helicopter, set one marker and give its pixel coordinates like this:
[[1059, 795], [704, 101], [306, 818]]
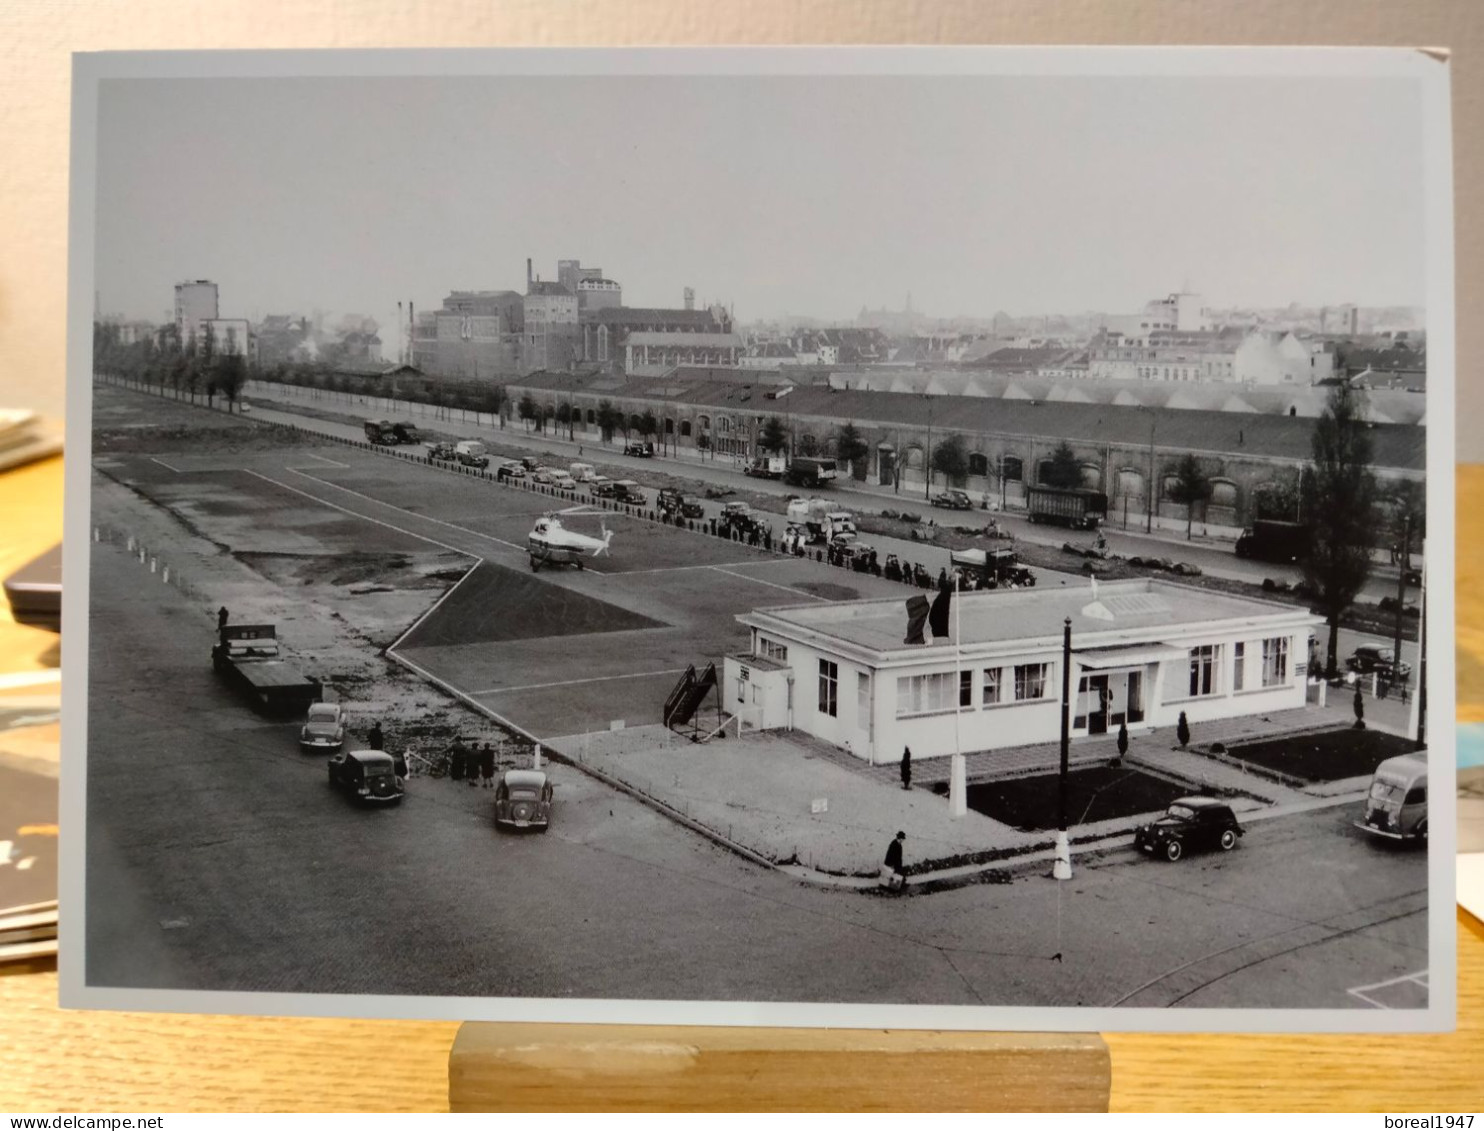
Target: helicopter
[[551, 543]]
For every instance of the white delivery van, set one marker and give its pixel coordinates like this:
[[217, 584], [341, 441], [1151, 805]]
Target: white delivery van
[[469, 448], [583, 472]]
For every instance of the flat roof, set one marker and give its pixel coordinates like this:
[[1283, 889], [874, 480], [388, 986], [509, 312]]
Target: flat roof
[[1144, 607]]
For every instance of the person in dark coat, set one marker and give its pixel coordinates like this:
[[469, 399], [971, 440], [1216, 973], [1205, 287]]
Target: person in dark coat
[[222, 616], [892, 875], [906, 767], [457, 761], [375, 739], [487, 765]]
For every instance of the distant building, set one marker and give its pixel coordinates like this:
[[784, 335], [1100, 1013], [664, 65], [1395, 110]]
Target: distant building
[[1276, 358], [228, 335], [195, 304], [474, 335], [1180, 311], [649, 352], [551, 336], [281, 338], [1164, 355], [1343, 320], [604, 331]]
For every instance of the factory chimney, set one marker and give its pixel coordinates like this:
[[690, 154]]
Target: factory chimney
[[528, 273]]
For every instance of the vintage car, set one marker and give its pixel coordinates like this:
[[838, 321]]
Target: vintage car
[[510, 469], [406, 432], [523, 800], [1396, 807], [601, 486], [1380, 659], [562, 480], [543, 475], [735, 510], [628, 492], [324, 729], [1190, 823], [380, 432], [441, 450], [471, 453], [954, 500], [644, 450], [369, 776]]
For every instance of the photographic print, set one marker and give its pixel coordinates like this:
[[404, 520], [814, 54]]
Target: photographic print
[[897, 537]]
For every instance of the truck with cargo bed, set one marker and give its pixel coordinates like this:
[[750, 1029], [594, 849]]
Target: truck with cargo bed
[[247, 656], [1077, 507], [766, 467], [1270, 540], [810, 471]]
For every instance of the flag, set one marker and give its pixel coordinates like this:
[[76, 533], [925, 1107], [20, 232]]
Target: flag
[[917, 614], [942, 604]]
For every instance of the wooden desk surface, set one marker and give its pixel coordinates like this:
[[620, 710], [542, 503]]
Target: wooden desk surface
[[95, 1061]]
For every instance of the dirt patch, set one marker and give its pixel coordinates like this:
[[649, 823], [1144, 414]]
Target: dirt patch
[[1097, 793], [362, 572], [498, 604], [1322, 756], [828, 590]]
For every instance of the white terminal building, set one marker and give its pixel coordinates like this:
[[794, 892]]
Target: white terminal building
[[1142, 652]]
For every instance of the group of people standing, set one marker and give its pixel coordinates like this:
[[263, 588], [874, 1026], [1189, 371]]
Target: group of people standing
[[475, 765]]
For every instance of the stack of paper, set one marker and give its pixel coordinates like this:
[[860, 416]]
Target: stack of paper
[[28, 828], [24, 436]]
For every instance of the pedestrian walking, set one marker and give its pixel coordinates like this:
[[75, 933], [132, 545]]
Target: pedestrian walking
[[892, 876], [222, 616], [487, 765], [906, 767], [375, 739], [457, 761]]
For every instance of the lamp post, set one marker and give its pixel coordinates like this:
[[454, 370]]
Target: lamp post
[[1149, 519], [927, 456], [1062, 869]]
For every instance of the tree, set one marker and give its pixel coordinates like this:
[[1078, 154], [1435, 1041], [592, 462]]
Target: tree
[[1339, 504], [528, 409], [850, 446], [231, 375], [1192, 485], [1064, 470], [647, 424], [609, 420], [1182, 730], [772, 437], [950, 460], [564, 416], [808, 445], [1359, 706]]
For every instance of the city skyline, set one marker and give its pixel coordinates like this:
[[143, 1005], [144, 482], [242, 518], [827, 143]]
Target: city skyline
[[775, 196]]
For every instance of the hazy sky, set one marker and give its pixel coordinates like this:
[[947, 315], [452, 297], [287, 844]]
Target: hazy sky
[[776, 194]]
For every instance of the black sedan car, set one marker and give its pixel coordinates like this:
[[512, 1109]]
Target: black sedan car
[[954, 500], [368, 776], [1190, 823]]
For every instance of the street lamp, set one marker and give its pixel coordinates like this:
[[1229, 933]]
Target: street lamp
[[1149, 519], [927, 456]]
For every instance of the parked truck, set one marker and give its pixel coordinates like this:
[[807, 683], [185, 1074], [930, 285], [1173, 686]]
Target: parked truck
[[810, 471], [990, 569], [1077, 507], [766, 467], [381, 432], [247, 656], [1270, 540], [821, 521]]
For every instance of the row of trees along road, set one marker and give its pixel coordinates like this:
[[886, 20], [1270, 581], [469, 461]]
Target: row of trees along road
[[196, 367]]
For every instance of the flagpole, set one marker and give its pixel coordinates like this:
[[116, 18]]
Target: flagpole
[[957, 784]]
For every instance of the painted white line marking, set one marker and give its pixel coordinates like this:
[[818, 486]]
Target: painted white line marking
[[165, 465], [434, 608], [722, 565], [408, 513], [1363, 992], [575, 682], [357, 514], [322, 459], [770, 584]]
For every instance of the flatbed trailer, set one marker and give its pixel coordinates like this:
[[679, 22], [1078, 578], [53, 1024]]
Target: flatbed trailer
[[1079, 508], [247, 657]]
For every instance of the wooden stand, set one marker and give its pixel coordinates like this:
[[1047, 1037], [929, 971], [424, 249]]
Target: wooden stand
[[538, 1067]]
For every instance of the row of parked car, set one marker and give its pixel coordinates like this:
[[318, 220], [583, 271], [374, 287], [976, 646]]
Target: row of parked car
[[523, 798]]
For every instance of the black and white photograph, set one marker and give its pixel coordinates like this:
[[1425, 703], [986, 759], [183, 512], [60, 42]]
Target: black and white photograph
[[893, 537]]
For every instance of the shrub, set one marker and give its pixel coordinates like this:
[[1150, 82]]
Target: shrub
[[1182, 730]]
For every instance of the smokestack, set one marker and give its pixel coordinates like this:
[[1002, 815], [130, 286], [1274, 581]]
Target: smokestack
[[528, 273], [411, 333], [401, 336]]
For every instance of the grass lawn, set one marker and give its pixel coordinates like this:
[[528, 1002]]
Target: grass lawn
[[1325, 755], [1096, 793]]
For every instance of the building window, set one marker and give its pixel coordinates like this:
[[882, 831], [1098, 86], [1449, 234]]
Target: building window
[[966, 689], [741, 691], [978, 463], [991, 694], [1204, 669], [1239, 665], [1030, 681], [829, 688], [772, 650], [924, 694], [1275, 661]]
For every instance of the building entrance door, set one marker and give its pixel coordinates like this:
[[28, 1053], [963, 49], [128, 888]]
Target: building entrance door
[[1097, 708]]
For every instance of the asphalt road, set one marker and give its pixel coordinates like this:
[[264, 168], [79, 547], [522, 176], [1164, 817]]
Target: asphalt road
[[218, 858], [1216, 559]]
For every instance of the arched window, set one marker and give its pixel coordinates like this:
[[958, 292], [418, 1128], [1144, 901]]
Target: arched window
[[669, 426], [1012, 468], [592, 417], [914, 458], [1092, 476], [1130, 483], [1223, 493], [685, 427], [1043, 470], [978, 463], [703, 422]]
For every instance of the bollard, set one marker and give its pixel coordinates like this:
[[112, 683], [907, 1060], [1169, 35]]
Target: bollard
[[166, 575], [131, 543], [97, 534], [153, 563]]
